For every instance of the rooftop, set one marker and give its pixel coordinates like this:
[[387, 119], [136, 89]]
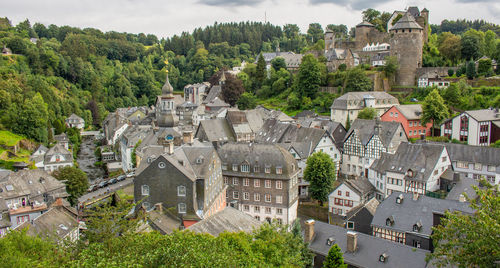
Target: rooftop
[[227, 220]]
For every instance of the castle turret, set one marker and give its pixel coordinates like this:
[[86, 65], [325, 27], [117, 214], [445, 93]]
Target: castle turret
[[165, 110], [362, 31], [423, 21], [406, 45], [329, 40]]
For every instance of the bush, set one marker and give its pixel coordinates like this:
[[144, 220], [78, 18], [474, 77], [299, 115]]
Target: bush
[[451, 72]]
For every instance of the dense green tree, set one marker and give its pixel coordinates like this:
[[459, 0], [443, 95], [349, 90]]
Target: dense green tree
[[260, 71], [338, 30], [471, 70], [30, 118], [314, 33], [334, 259], [465, 240], [357, 80], [434, 110], [367, 113], [76, 182], [484, 67], [450, 46], [308, 77], [278, 63], [470, 47], [247, 101], [320, 173], [391, 66]]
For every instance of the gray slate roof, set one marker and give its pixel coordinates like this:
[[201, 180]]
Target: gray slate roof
[[484, 115], [342, 101], [410, 211], [54, 224], [406, 22], [360, 185], [58, 149], [369, 249], [217, 129], [227, 220], [34, 182], [214, 92], [365, 23], [474, 154], [365, 129], [463, 185], [371, 206], [410, 111], [61, 138], [421, 158]]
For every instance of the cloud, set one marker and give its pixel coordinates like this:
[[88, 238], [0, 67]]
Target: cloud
[[231, 3], [475, 1], [353, 4]]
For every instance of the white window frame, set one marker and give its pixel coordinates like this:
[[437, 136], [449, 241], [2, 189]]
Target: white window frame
[[256, 183], [181, 208], [236, 195], [246, 182], [256, 197], [145, 190], [279, 199], [246, 195], [279, 184], [268, 198], [181, 190], [267, 184]]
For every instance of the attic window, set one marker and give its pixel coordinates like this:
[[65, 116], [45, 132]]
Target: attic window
[[41, 180], [330, 241], [383, 257], [245, 168], [410, 173], [162, 165], [417, 226], [389, 221], [199, 160], [399, 199], [256, 169], [9, 187]]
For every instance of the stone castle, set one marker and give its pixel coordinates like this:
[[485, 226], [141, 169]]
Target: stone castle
[[407, 32]]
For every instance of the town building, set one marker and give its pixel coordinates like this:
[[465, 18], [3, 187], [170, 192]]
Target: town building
[[408, 218], [165, 110], [292, 60], [187, 113], [228, 220], [349, 194], [38, 156], [113, 126], [428, 80], [75, 121], [413, 168], [195, 93], [63, 140], [262, 180], [366, 141], [476, 127], [410, 116], [57, 157], [188, 181], [128, 141], [350, 104], [358, 249], [358, 218]]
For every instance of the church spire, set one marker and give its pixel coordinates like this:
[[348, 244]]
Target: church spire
[[167, 90]]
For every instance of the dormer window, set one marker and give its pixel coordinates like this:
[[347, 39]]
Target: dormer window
[[268, 169], [235, 167], [410, 173], [279, 170], [399, 199], [417, 226], [383, 257], [330, 241], [245, 168], [389, 221], [256, 169], [224, 166]]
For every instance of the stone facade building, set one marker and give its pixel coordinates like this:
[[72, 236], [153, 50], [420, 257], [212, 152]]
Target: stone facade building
[[262, 180]]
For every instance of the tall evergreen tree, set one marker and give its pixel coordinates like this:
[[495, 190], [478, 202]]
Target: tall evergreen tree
[[260, 71], [334, 259], [309, 77]]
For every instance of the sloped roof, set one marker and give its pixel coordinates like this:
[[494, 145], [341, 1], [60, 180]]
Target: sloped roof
[[365, 23], [342, 101], [411, 211], [463, 185], [484, 115], [58, 149], [474, 154], [217, 129], [54, 224], [365, 129], [406, 22], [371, 206], [214, 92], [227, 220], [369, 248], [34, 182], [360, 185], [410, 111], [75, 117]]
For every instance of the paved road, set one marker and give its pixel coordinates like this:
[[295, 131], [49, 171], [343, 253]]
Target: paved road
[[112, 188]]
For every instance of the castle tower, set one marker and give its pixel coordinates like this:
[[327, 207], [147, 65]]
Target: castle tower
[[329, 40], [423, 21], [406, 45], [362, 31], [165, 110]]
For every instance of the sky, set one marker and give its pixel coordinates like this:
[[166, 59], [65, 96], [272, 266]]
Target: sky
[[165, 18]]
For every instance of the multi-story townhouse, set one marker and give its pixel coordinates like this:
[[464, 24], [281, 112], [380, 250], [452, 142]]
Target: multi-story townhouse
[[408, 218], [128, 141], [477, 127], [195, 93], [75, 121], [414, 168], [187, 179], [262, 180], [410, 117], [365, 142], [350, 104], [350, 194], [57, 157]]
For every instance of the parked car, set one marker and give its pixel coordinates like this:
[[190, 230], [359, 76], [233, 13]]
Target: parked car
[[121, 178], [103, 184], [112, 181], [131, 174], [92, 188], [414, 100]]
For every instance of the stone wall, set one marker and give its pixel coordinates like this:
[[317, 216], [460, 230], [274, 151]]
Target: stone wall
[[406, 46], [439, 71]]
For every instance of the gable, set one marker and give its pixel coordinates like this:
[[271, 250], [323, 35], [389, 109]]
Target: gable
[[168, 176]]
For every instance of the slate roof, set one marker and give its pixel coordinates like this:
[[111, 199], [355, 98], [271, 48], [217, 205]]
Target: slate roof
[[336, 129], [474, 154], [75, 117], [337, 54], [369, 248], [113, 122], [273, 114], [214, 92], [58, 149], [365, 23], [411, 211], [421, 158], [228, 220], [61, 138], [217, 129], [414, 11], [54, 224], [365, 129], [34, 182], [410, 111], [463, 185], [134, 134], [162, 222], [484, 115], [371, 206], [406, 22], [342, 101], [263, 155], [360, 185]]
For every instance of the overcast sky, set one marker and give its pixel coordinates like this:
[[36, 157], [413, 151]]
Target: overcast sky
[[166, 17]]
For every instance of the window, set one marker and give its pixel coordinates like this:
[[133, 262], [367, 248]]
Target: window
[[268, 210], [162, 165], [246, 207], [444, 158], [224, 166], [235, 181], [411, 123], [279, 211], [280, 221], [416, 243], [268, 198], [396, 114], [256, 169], [226, 180], [257, 218], [181, 190], [256, 197], [279, 199], [478, 166], [350, 225], [491, 168], [462, 165], [268, 169], [145, 190], [245, 168], [236, 194], [391, 114], [246, 196], [235, 167], [279, 185], [267, 183], [279, 170], [246, 182], [256, 183], [181, 208], [347, 193], [256, 209], [339, 193]]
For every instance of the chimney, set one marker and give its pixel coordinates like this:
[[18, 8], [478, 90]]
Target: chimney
[[159, 207], [462, 198], [352, 241], [309, 232], [187, 137], [58, 202], [169, 147], [415, 196]]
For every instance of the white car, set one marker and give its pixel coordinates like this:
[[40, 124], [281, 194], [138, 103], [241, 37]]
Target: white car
[[131, 174]]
